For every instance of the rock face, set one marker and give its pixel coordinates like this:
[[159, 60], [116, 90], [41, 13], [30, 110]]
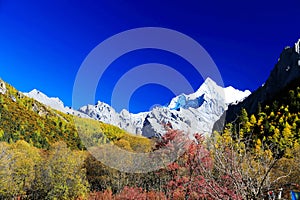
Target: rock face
[[105, 113], [191, 113], [2, 87], [285, 71]]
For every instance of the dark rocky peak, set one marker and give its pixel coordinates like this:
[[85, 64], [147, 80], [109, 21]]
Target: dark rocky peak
[[286, 70]]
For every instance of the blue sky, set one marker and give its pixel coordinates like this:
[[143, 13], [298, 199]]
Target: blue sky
[[43, 43]]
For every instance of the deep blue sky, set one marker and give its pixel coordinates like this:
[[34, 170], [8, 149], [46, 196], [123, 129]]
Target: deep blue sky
[[43, 43]]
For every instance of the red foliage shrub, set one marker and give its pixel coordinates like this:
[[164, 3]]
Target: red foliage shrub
[[128, 193]]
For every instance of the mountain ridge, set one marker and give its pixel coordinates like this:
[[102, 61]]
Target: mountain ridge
[[286, 70], [24, 118], [198, 119], [53, 102]]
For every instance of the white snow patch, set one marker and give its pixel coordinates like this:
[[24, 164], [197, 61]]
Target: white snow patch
[[53, 102]]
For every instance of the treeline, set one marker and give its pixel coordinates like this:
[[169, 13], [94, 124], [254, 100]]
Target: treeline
[[221, 167], [276, 123], [253, 156]]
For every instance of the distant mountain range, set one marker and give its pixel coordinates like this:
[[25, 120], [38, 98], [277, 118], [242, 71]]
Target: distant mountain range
[[209, 108], [191, 113], [53, 102]]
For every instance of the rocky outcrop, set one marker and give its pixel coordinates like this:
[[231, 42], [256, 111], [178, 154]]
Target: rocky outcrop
[[132, 123], [2, 87]]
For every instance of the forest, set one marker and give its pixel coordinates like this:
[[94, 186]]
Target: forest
[[42, 155]]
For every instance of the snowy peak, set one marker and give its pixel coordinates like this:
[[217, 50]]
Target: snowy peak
[[229, 94], [212, 91], [190, 113], [52, 102], [233, 96], [124, 120]]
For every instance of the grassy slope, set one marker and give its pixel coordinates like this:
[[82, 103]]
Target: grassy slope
[[23, 118]]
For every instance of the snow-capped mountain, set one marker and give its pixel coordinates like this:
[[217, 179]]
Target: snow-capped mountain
[[125, 120], [211, 90], [191, 113], [53, 102]]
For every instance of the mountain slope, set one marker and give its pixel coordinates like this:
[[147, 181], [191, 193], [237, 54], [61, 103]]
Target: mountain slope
[[286, 70], [276, 122], [124, 120], [24, 118]]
